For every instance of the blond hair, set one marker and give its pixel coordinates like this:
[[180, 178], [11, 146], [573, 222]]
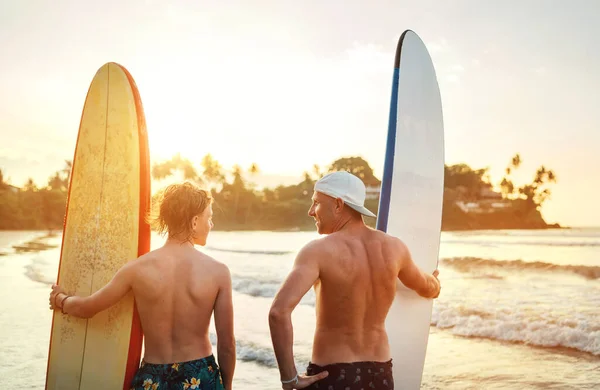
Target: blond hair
[[174, 207]]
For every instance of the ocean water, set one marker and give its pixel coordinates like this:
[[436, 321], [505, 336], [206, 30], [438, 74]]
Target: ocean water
[[518, 310]]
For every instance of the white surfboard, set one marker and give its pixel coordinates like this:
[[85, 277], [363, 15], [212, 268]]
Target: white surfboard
[[410, 206]]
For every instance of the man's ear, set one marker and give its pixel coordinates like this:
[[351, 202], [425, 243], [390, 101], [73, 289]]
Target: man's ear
[[339, 205]]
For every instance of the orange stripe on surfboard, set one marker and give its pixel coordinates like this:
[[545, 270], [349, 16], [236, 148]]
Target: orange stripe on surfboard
[[135, 341]]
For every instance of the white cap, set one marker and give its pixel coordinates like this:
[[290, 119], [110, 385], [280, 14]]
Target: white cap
[[346, 186]]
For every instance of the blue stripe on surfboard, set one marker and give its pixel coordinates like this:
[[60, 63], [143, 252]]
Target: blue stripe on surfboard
[[388, 167]]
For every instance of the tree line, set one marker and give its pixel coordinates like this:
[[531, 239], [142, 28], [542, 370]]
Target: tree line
[[240, 205], [34, 207]]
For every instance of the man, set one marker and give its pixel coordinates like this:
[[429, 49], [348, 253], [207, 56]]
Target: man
[[354, 270], [176, 290]]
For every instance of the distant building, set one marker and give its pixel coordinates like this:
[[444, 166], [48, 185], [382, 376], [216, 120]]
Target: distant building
[[486, 206], [373, 192], [11, 188], [489, 193], [469, 207]]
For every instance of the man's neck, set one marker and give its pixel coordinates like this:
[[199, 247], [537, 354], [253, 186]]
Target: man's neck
[[347, 223]]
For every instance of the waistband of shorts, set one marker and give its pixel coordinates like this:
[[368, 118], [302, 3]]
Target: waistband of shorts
[[366, 363], [205, 361]]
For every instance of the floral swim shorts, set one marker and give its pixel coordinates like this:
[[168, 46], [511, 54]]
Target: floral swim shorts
[[201, 374]]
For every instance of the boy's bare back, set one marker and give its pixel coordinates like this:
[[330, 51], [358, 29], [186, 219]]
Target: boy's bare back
[[176, 288]]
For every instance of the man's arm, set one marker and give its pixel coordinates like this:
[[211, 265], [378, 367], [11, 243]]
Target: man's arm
[[302, 277], [412, 277], [223, 310], [87, 307]]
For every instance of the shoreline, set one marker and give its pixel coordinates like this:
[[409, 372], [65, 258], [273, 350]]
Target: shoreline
[[299, 229], [37, 244], [478, 359], [312, 229]]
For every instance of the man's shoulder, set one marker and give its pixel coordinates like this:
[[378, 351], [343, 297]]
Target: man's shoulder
[[396, 241], [320, 245], [396, 247], [334, 241], [315, 250], [386, 237], [391, 244], [365, 234]]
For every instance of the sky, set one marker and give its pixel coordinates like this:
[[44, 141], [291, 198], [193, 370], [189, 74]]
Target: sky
[[288, 84]]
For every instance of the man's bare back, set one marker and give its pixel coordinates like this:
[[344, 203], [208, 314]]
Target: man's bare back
[[356, 287], [175, 288], [354, 271]]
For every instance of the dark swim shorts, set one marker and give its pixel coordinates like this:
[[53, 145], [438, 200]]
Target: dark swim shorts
[[351, 376], [201, 374]]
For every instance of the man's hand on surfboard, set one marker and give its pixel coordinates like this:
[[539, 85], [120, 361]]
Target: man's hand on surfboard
[[437, 282]]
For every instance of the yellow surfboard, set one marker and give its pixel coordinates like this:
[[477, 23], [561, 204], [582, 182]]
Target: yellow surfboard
[[105, 227]]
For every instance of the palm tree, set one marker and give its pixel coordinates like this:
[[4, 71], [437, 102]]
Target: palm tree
[[66, 174], [67, 168], [253, 170], [515, 163], [165, 169], [189, 172], [507, 186], [237, 186], [317, 171], [213, 171], [30, 185], [56, 182], [516, 160], [238, 180]]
